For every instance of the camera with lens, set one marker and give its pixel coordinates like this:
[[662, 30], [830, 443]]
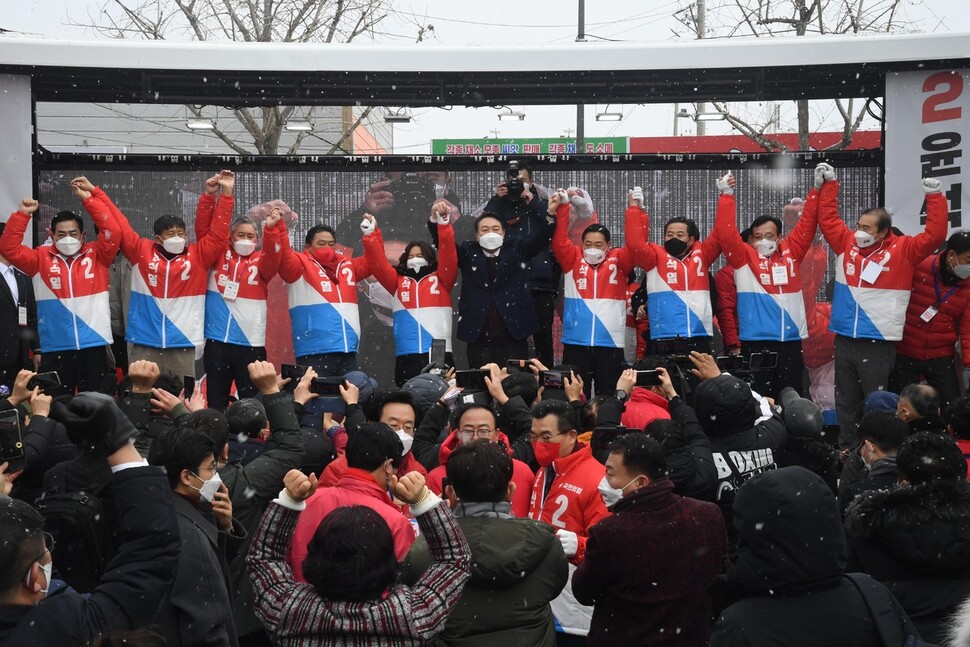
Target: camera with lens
[[413, 192], [513, 183]]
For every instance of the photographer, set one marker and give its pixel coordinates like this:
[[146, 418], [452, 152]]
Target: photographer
[[522, 213], [136, 579]]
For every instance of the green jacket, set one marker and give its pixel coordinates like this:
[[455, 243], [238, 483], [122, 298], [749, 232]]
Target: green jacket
[[518, 566]]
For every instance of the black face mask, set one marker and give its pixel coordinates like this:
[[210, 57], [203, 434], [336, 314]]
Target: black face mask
[[675, 247]]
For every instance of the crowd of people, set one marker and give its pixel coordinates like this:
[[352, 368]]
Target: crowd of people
[[671, 481]]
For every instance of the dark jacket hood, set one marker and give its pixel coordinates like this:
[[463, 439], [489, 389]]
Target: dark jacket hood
[[926, 526], [790, 534], [725, 405], [505, 551]]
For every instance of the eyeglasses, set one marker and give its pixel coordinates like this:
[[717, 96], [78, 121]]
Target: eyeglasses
[[544, 437], [481, 432]]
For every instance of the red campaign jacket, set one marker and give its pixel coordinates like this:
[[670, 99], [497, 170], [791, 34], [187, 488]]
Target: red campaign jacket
[[644, 407], [937, 338], [356, 487], [877, 310], [678, 290], [168, 295], [335, 469], [594, 297], [573, 502], [522, 476], [422, 306], [727, 307], [240, 321], [71, 293]]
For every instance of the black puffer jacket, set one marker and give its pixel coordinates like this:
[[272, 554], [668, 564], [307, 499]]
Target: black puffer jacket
[[787, 580], [916, 541], [727, 412]]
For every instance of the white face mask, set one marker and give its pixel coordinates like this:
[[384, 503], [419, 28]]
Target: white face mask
[[610, 494], [765, 246], [210, 487], [491, 241], [69, 246], [525, 186], [174, 245], [863, 239], [594, 255], [440, 190], [48, 569], [244, 247], [406, 440], [416, 263], [961, 271]]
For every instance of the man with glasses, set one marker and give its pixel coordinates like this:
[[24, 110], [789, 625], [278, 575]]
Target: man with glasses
[[477, 422], [565, 495], [136, 579]]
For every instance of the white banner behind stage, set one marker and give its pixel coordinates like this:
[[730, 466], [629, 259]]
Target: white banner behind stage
[[927, 129]]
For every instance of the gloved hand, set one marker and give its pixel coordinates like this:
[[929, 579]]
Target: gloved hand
[[725, 184], [580, 202], [94, 420], [569, 541], [637, 195], [440, 213], [931, 185], [368, 224], [823, 173]]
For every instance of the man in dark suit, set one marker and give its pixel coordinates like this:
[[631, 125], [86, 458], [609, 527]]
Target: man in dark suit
[[496, 313], [18, 322]]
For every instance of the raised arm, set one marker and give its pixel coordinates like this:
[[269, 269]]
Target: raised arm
[[564, 251], [837, 234], [207, 204], [24, 258], [937, 219], [377, 261], [803, 235], [213, 245], [447, 252], [542, 235], [274, 238], [637, 231], [129, 237]]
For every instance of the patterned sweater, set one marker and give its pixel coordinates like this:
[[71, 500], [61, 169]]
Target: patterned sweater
[[295, 615]]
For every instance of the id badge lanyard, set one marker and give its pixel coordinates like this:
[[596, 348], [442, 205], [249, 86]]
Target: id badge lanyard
[[941, 298]]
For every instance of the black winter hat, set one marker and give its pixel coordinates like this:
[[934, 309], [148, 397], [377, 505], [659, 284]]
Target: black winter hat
[[725, 405], [94, 422]]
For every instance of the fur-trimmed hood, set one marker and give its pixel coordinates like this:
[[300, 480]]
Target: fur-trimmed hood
[[925, 526]]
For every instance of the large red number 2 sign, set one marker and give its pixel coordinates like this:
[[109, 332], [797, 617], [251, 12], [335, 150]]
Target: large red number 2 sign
[[933, 109]]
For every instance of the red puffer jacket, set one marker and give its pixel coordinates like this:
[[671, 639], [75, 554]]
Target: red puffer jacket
[[937, 338]]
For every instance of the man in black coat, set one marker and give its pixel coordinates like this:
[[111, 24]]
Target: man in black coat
[[18, 322], [786, 586], [915, 538], [31, 611], [742, 445], [496, 313], [522, 214], [880, 434]]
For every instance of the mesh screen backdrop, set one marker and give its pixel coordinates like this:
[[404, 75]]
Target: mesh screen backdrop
[[336, 197]]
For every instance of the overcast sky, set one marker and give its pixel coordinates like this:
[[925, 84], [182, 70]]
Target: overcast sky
[[538, 22]]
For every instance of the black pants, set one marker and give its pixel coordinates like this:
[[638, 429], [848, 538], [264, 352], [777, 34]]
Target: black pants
[[407, 366], [789, 371], [330, 364], [861, 367], [83, 370], [225, 364], [595, 364], [940, 373], [119, 348], [545, 304], [482, 353]]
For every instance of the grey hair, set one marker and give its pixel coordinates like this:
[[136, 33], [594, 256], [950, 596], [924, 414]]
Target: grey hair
[[243, 220]]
